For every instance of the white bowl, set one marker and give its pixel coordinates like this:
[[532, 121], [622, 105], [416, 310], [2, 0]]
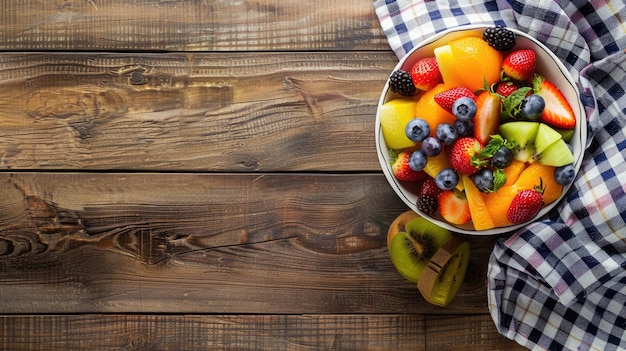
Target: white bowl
[[548, 65]]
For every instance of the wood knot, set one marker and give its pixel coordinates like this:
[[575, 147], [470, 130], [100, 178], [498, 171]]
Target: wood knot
[[138, 78]]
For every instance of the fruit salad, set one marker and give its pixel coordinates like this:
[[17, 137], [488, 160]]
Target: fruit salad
[[481, 134]]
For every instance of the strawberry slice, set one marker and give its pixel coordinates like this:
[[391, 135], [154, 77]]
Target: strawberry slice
[[446, 98], [558, 113], [487, 116], [401, 170], [425, 73], [520, 64], [453, 207]]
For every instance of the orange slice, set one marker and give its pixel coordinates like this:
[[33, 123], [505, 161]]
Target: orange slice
[[476, 62], [430, 110], [536, 173], [480, 215]]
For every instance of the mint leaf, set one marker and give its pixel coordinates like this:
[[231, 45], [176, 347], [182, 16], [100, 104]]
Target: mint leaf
[[512, 103], [499, 178]]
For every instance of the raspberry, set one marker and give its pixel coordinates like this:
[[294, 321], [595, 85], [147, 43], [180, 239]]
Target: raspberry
[[499, 38], [401, 82]]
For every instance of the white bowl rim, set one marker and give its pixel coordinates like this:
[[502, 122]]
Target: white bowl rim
[[580, 134]]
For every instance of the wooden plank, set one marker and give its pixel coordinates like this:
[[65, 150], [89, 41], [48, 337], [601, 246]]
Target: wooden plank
[[234, 112], [252, 332], [190, 25], [208, 243], [460, 333], [220, 332]]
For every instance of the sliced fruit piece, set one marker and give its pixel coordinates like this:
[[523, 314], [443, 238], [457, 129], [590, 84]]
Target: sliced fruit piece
[[523, 133], [447, 66], [557, 154], [425, 73], [536, 174], [566, 134], [430, 111], [487, 116], [446, 98], [480, 215], [476, 62], [520, 64], [442, 278], [545, 137], [513, 171], [498, 203], [558, 113], [411, 250], [401, 169], [453, 207], [394, 115], [399, 224]]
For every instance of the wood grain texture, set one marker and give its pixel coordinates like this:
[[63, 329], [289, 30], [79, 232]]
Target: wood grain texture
[[191, 112], [244, 332], [196, 25], [297, 243]]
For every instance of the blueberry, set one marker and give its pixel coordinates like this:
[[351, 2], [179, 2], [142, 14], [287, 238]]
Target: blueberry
[[418, 160], [417, 129], [446, 133], [447, 179], [464, 108], [431, 146], [564, 174], [532, 106], [464, 128], [502, 158], [484, 180]]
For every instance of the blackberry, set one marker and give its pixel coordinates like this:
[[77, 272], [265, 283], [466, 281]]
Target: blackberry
[[400, 82], [427, 204], [499, 38]]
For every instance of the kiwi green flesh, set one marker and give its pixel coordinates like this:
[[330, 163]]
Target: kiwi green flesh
[[411, 251], [451, 276]]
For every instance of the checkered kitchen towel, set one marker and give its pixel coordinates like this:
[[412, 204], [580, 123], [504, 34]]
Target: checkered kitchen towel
[[558, 284]]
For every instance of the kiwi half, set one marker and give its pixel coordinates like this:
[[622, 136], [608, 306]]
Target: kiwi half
[[412, 249], [442, 278]]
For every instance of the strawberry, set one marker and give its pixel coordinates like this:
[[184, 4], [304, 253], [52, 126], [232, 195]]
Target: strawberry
[[557, 113], [401, 170], [525, 205], [487, 118], [427, 195], [462, 155], [425, 73], [506, 88], [520, 64], [453, 206], [446, 98]]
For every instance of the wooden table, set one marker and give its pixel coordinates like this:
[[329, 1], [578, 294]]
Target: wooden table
[[201, 175]]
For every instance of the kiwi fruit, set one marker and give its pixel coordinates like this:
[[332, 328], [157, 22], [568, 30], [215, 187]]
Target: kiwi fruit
[[411, 249], [441, 279]]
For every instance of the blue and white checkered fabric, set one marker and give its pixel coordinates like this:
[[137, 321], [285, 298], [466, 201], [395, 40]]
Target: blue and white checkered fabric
[[557, 284]]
